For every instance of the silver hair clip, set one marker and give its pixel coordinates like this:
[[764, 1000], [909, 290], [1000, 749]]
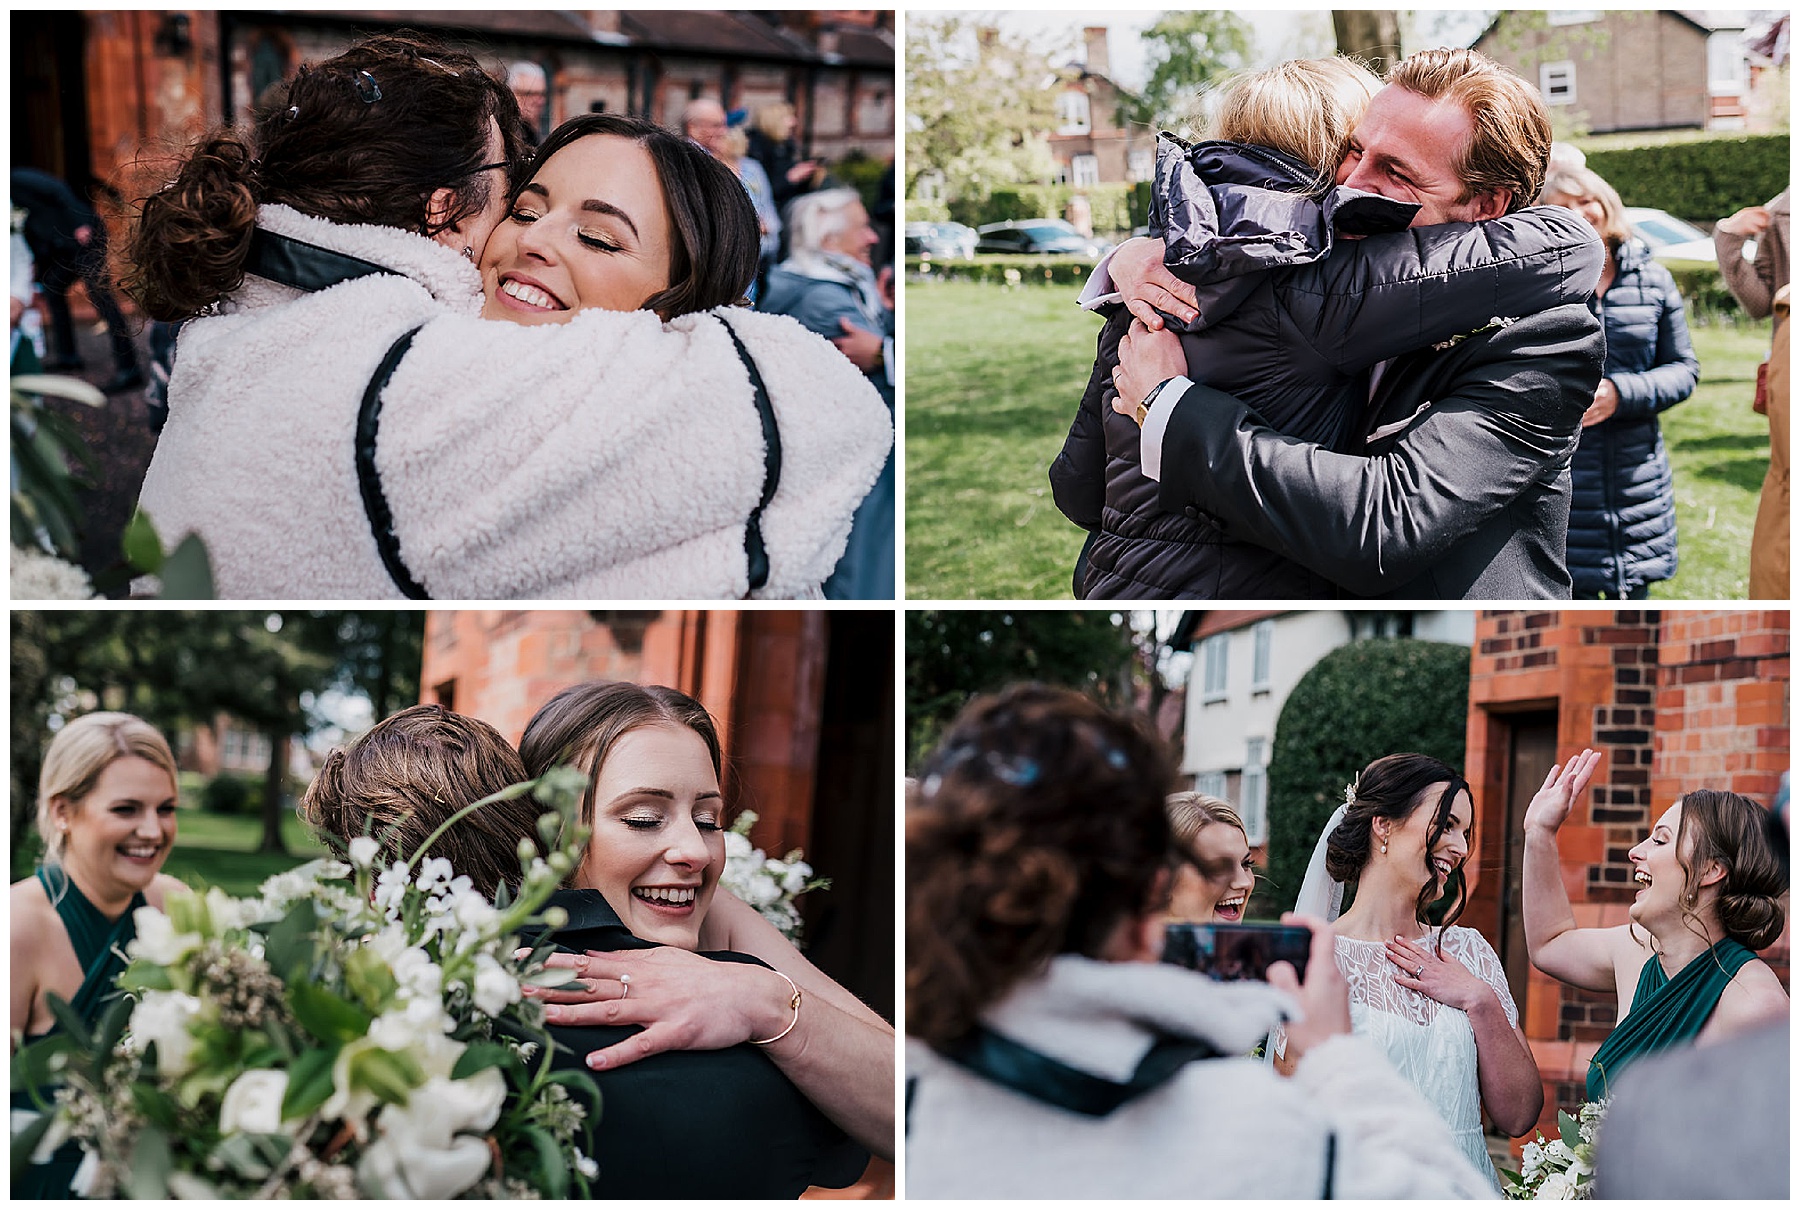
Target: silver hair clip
[[367, 88]]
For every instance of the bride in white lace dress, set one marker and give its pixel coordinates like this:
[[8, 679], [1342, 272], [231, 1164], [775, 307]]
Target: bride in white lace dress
[[1435, 999]]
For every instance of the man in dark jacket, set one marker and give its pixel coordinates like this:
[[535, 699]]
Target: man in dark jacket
[[1457, 484], [68, 244]]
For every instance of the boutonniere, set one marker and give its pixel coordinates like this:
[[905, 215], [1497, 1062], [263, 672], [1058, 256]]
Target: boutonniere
[[1492, 325]]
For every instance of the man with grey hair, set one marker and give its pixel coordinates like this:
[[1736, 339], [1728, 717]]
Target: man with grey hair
[[703, 120], [828, 283], [531, 87]]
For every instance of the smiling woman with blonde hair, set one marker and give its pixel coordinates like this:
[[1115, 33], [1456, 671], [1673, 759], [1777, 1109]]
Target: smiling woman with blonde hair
[[1216, 881]]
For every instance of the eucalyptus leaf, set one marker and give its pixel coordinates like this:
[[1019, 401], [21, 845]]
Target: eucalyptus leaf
[[143, 976], [551, 1165], [187, 573], [112, 1025], [290, 948], [327, 1016], [152, 1160], [143, 548], [71, 1021], [481, 1055], [61, 386], [1569, 1128], [309, 1082]]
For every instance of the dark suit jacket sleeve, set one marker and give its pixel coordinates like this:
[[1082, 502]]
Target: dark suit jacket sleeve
[[1078, 476], [1374, 523]]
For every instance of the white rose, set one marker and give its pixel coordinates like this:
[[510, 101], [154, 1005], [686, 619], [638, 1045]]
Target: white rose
[[363, 852], [163, 1017], [1556, 1188], [422, 1144], [157, 941], [495, 989], [737, 848], [415, 972], [394, 1166], [253, 1103]]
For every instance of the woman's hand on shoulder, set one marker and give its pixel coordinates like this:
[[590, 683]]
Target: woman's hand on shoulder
[[683, 1001]]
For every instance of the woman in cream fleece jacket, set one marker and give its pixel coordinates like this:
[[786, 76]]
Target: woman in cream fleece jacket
[[608, 454]]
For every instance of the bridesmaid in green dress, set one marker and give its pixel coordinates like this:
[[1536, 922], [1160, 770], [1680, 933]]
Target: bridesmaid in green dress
[[1709, 880], [106, 811]]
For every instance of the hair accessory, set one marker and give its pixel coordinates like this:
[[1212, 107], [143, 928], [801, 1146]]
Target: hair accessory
[[1350, 791], [794, 1004], [1116, 758], [293, 111], [625, 984], [367, 88]]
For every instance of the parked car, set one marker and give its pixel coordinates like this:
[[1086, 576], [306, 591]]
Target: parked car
[[941, 241], [1672, 241], [1033, 237]]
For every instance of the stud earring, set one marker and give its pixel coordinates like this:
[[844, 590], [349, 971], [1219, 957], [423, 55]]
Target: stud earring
[[468, 254]]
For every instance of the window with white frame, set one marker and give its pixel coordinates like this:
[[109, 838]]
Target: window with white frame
[[1212, 662], [1084, 170], [1072, 112], [1141, 164], [1212, 783], [1262, 653], [1726, 67], [1557, 82], [1253, 796]]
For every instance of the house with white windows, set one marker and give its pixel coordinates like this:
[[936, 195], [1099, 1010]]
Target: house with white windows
[[1645, 69], [1091, 143], [1246, 662]]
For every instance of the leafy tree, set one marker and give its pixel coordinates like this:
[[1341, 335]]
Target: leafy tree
[[954, 654], [977, 108], [1369, 34], [1189, 51], [1361, 701]]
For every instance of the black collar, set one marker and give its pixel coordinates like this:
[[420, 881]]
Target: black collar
[[1042, 1078], [304, 266]]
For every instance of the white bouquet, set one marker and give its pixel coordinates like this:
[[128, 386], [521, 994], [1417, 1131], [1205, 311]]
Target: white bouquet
[[351, 1032], [1559, 1169], [768, 885]]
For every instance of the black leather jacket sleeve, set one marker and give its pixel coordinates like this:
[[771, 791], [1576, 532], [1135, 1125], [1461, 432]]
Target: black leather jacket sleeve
[[1078, 475], [1506, 413]]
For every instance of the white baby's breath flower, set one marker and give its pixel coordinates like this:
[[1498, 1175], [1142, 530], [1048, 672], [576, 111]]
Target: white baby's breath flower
[[435, 872], [495, 988], [586, 1166], [391, 888], [37, 576], [363, 852]]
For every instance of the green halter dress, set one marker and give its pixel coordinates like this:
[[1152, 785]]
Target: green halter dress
[[98, 943], [1665, 1012]]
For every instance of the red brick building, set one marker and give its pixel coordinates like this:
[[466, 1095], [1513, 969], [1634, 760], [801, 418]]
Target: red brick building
[[1674, 701], [804, 702]]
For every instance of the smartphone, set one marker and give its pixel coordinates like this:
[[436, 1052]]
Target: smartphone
[[1230, 952]]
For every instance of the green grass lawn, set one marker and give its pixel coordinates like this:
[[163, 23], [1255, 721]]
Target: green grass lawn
[[219, 850], [993, 377]]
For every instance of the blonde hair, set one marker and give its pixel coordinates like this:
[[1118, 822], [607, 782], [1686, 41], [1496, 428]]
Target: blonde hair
[[1304, 108], [1580, 184], [772, 119], [1190, 811], [80, 753], [1510, 147], [736, 142]]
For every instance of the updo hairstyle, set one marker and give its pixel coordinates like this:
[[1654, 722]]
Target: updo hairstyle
[[1733, 831], [1392, 788], [407, 774], [80, 753], [1035, 829], [366, 137]]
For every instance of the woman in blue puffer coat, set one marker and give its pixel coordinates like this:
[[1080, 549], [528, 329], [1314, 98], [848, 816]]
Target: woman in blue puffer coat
[[1622, 515]]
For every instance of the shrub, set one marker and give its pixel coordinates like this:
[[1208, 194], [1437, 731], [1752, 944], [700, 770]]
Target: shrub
[[1109, 205], [229, 794], [1702, 181], [862, 172], [1363, 700], [1027, 270]]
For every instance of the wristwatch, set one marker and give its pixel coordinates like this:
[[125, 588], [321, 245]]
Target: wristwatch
[[1143, 409]]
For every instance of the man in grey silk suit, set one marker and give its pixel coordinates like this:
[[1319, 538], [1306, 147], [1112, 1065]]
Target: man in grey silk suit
[[1458, 485]]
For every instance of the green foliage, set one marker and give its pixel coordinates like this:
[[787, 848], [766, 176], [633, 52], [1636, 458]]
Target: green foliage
[[862, 172], [50, 461], [1110, 205], [229, 794], [976, 112], [1189, 51], [1007, 270], [952, 655], [1361, 701], [1701, 181]]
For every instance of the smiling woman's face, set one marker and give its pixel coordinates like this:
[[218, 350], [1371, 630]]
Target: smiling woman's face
[[590, 230], [658, 845]]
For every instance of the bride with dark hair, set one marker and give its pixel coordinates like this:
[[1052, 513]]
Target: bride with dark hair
[[1433, 995], [344, 424]]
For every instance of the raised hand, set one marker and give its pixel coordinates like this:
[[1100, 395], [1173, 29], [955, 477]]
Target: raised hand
[[1556, 798]]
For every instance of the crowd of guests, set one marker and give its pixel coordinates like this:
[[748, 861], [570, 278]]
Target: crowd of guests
[[1051, 1053]]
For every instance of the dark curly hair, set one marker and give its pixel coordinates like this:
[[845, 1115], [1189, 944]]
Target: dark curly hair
[[1733, 831], [413, 770], [366, 137], [1393, 787], [1035, 829]]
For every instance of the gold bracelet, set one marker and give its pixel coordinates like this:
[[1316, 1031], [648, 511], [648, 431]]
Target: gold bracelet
[[793, 1003]]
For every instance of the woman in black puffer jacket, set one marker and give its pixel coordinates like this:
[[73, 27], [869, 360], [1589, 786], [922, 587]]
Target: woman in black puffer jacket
[[1622, 515]]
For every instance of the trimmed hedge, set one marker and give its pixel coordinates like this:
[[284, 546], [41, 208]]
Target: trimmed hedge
[[1363, 700], [1110, 205], [1023, 270], [1702, 181], [229, 794]]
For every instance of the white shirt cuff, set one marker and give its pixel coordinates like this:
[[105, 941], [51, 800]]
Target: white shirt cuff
[[1157, 423], [1099, 290]]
